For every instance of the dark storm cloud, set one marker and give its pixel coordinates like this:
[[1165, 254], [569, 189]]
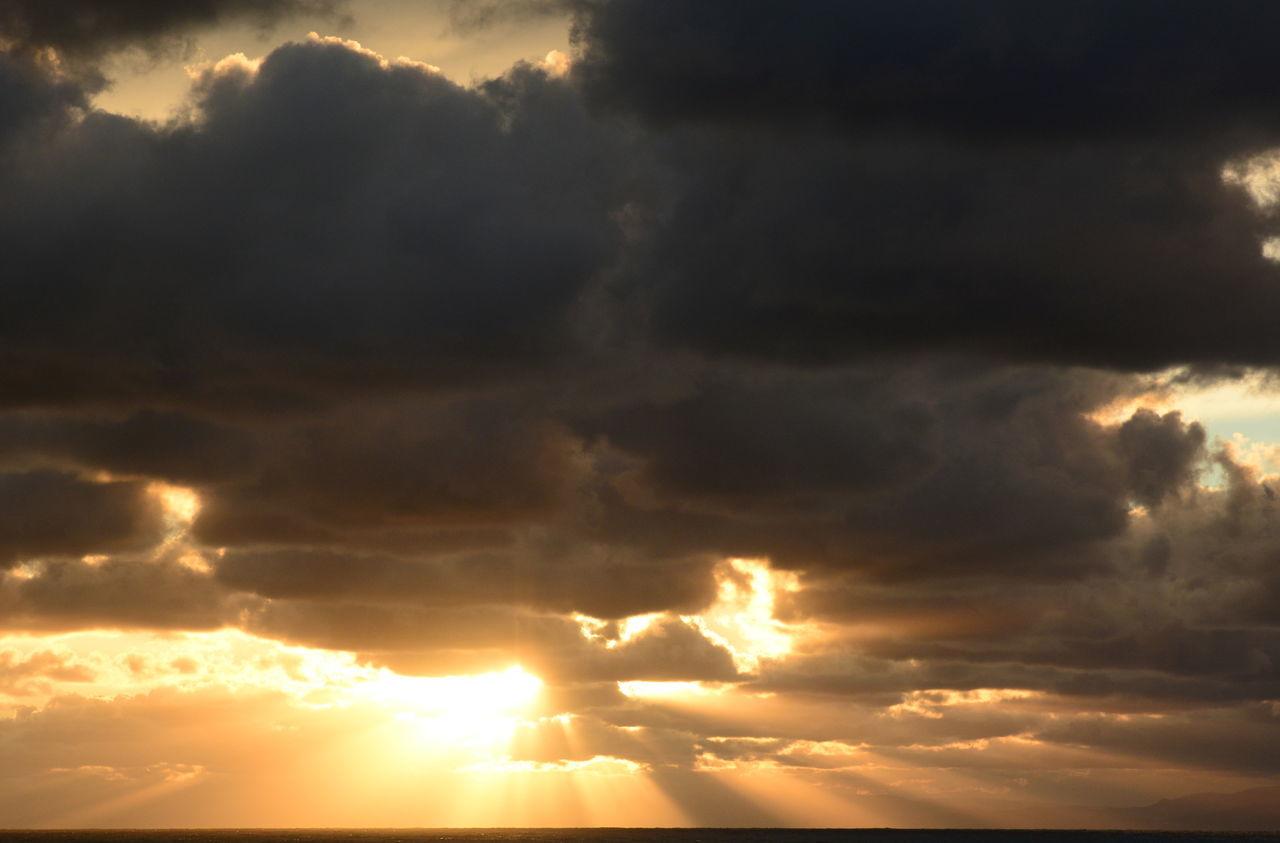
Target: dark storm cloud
[[812, 249], [340, 225], [622, 512], [817, 284], [458, 466], [1034, 182], [28, 96], [49, 513], [805, 437], [1234, 739], [993, 69], [179, 448], [604, 585], [1196, 630], [1161, 452], [84, 29], [328, 222], [902, 470]]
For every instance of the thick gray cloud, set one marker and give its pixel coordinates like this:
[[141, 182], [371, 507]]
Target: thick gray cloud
[[168, 445], [85, 30], [328, 222], [809, 248], [1183, 616], [50, 513], [468, 640], [123, 592], [606, 583], [400, 466], [29, 97], [995, 69], [1161, 454], [1034, 183], [906, 470]]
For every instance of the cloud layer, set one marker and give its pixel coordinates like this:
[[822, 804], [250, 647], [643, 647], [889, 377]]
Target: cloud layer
[[352, 357]]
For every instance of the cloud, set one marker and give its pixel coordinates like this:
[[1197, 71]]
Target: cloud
[[452, 640], [29, 97], [50, 513], [1162, 454], [469, 16], [334, 220], [992, 69], [599, 582], [452, 378], [28, 676], [901, 470], [455, 466], [987, 178], [118, 593], [149, 443], [84, 30], [811, 249]]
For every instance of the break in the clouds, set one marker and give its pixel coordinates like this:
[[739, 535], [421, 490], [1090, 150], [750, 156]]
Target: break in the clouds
[[791, 388]]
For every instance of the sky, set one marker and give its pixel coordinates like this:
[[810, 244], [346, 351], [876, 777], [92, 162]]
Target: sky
[[606, 412]]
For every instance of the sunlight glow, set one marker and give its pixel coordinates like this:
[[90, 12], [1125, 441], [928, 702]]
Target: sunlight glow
[[612, 634], [463, 709], [603, 765], [1255, 395], [742, 618], [556, 63], [1258, 175], [1264, 457], [640, 689], [24, 571], [383, 62], [108, 665], [629, 628], [233, 63], [181, 505], [930, 704], [503, 691]]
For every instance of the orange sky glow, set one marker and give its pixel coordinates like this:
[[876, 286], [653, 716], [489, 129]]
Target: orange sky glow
[[225, 727]]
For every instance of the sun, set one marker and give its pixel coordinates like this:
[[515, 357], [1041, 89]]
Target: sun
[[477, 709]]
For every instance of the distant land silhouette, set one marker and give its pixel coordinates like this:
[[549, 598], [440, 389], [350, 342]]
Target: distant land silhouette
[[1256, 809], [1253, 810]]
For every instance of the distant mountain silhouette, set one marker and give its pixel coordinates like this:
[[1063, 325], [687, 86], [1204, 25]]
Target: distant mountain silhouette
[[1256, 809]]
